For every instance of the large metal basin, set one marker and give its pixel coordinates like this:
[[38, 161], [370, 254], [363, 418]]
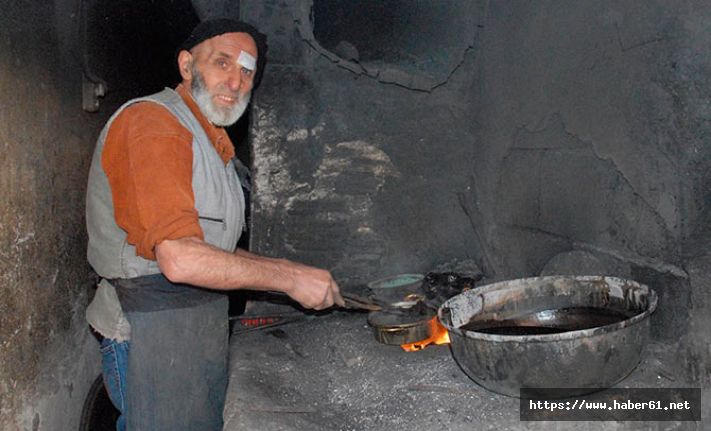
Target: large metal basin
[[589, 359]]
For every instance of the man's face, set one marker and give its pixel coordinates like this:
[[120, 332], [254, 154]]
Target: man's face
[[220, 73]]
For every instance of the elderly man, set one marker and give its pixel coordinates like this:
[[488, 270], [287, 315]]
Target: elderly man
[[164, 213]]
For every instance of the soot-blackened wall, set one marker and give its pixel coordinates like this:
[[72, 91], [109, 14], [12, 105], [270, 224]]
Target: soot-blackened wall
[[355, 174], [551, 126], [551, 131], [48, 357]]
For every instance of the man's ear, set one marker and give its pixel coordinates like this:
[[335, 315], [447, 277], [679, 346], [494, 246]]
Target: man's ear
[[185, 61]]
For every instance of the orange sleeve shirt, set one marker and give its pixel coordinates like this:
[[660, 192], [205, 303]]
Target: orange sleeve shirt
[[148, 159]]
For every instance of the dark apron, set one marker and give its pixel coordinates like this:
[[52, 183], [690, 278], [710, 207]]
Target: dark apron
[[177, 363]]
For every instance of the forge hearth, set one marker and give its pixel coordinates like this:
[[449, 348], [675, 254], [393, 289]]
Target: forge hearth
[[329, 373]]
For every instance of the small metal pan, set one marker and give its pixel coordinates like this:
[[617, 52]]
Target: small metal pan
[[402, 326]]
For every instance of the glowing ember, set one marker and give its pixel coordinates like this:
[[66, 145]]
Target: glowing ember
[[439, 336]]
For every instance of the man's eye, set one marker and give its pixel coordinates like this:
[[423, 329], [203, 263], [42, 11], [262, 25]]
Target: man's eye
[[222, 63], [246, 71]]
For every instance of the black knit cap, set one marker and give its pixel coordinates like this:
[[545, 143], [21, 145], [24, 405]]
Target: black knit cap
[[217, 26]]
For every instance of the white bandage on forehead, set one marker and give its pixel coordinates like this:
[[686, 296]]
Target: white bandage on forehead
[[247, 61]]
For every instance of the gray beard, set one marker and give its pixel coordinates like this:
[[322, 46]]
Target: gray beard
[[218, 116]]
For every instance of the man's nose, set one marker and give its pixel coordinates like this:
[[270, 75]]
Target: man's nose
[[235, 81]]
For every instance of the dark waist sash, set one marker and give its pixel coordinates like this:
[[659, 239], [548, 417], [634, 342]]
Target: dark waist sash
[[156, 293]]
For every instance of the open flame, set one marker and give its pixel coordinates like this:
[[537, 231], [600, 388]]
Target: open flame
[[439, 336]]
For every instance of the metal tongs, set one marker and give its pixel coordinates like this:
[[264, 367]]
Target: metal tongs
[[353, 301], [366, 303], [356, 302]]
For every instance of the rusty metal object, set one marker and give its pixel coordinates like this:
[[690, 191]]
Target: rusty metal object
[[589, 359], [243, 324]]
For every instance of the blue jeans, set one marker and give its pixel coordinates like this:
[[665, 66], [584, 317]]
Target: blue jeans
[[114, 357]]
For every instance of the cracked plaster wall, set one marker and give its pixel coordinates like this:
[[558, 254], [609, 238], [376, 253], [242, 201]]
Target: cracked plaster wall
[[564, 126], [599, 113], [48, 357], [350, 173], [563, 123], [595, 119]]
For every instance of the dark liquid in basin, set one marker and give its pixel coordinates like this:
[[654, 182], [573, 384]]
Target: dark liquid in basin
[[551, 321]]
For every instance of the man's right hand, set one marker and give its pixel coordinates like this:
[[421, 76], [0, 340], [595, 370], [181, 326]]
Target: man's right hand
[[311, 287]]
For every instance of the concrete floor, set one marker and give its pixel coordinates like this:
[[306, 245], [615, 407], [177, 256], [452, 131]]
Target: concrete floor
[[329, 373]]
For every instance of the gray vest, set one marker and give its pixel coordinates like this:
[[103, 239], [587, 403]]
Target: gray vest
[[219, 200]]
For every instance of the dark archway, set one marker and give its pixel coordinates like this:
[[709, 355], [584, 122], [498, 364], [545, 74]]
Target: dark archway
[[416, 44]]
